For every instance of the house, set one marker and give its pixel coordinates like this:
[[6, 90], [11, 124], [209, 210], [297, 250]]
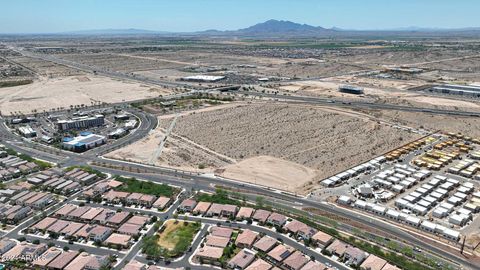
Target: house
[[84, 232], [265, 244], [46, 258], [6, 245], [62, 260], [295, 261], [134, 265], [43, 224], [322, 239], [103, 217], [16, 213], [147, 200], [354, 256], [91, 214], [58, 226], [217, 241], [99, 233], [300, 229], [118, 240], [201, 208], [261, 216], [65, 210], [246, 239], [24, 251], [134, 198], [187, 205], [130, 229], [86, 261], [280, 253], [118, 218], [78, 212], [221, 231], [244, 213], [373, 263], [311, 265], [210, 255], [116, 196], [162, 202], [71, 229], [242, 259], [337, 248], [276, 219], [259, 265], [138, 220], [222, 210]]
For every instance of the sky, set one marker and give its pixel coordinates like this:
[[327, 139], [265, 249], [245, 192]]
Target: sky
[[52, 16]]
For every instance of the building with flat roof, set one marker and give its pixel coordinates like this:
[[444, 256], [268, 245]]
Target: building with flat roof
[[83, 142], [203, 78], [350, 89], [81, 122]]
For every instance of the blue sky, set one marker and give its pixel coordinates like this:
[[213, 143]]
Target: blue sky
[[42, 16]]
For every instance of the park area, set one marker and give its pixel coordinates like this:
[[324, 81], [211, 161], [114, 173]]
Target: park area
[[173, 239]]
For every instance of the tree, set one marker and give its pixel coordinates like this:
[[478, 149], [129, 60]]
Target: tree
[[260, 202]]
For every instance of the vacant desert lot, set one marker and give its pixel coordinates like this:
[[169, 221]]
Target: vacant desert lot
[[46, 94], [289, 138], [466, 125]]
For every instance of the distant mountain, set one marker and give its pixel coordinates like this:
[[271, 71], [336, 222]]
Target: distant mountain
[[271, 28], [130, 31], [275, 26], [287, 29]]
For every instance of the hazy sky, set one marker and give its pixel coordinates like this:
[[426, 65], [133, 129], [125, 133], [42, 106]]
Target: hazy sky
[[42, 16]]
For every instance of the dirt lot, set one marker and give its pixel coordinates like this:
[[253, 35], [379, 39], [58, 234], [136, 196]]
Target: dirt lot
[[324, 141], [46, 94], [270, 171], [178, 152], [465, 125]]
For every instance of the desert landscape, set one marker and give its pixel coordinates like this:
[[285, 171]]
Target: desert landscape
[[304, 145], [47, 93]]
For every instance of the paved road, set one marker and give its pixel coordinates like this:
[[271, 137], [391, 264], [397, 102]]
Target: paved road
[[358, 104], [197, 182], [205, 183]]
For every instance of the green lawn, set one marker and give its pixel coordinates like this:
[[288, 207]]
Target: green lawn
[[220, 196], [176, 237], [145, 187]]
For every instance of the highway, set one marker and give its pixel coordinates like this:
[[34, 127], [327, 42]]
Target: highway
[[357, 104], [98, 70]]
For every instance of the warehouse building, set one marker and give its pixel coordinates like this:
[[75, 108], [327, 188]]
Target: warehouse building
[[351, 89], [203, 78], [81, 122], [463, 90]]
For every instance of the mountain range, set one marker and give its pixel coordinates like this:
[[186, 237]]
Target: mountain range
[[281, 28]]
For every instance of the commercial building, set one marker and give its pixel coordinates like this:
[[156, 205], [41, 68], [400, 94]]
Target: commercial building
[[350, 89], [83, 142], [463, 90], [81, 122], [203, 78], [27, 132]]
